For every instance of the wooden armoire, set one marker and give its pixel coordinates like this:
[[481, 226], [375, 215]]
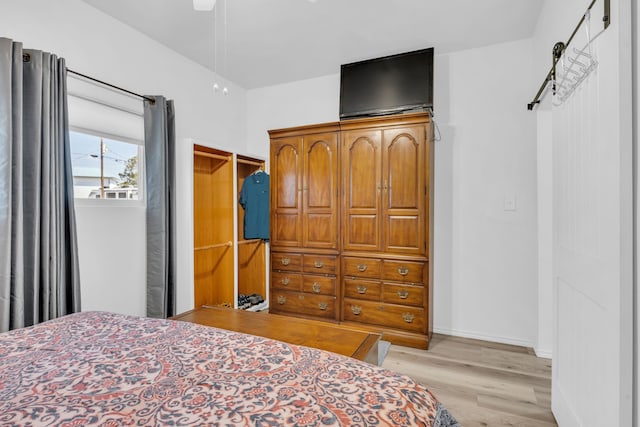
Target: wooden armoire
[[350, 224], [305, 207]]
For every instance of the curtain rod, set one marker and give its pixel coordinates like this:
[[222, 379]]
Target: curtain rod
[[27, 57], [560, 47], [151, 100]]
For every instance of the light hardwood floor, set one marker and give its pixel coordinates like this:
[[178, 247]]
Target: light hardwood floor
[[481, 383]]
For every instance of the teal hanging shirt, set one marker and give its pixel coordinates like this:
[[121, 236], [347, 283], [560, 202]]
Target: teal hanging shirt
[[254, 198]]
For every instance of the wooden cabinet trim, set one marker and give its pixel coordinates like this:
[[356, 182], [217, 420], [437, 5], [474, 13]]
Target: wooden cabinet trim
[[386, 121], [304, 130]]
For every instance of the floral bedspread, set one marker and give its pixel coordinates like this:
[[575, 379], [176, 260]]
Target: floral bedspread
[[104, 369]]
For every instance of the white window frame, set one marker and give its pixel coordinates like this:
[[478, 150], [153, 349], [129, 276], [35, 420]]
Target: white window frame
[[142, 199]]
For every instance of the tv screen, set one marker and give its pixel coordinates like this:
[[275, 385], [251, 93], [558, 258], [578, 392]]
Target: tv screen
[[389, 85]]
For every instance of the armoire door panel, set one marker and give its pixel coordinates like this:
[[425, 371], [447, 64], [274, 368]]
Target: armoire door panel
[[361, 172], [320, 191], [404, 188], [286, 173], [404, 234], [284, 229], [320, 230], [403, 168], [286, 207], [362, 232], [362, 169], [321, 171]]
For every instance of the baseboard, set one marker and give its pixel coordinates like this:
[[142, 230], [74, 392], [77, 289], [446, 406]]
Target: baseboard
[[476, 336], [544, 353]]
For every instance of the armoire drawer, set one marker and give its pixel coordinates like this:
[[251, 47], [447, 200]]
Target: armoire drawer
[[403, 271], [319, 264], [361, 267], [390, 315], [397, 293], [286, 262], [302, 303], [286, 280], [319, 285], [362, 289]]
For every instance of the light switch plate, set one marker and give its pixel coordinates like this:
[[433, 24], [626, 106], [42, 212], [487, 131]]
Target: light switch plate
[[510, 204]]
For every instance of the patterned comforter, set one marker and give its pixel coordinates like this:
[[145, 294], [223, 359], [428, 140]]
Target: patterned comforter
[[105, 369]]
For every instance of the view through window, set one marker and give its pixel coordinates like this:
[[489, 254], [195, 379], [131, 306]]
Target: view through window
[[105, 168]]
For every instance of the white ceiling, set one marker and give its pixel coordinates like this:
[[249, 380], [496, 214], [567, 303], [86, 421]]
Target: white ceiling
[[276, 41]]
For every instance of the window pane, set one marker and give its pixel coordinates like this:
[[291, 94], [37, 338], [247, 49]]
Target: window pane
[[104, 168]]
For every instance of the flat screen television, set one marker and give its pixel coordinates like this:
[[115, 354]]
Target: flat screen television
[[389, 85]]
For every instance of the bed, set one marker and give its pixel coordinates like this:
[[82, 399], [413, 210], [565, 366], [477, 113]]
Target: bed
[[105, 369]]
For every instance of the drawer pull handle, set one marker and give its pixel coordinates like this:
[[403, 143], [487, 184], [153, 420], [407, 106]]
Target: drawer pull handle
[[403, 271], [323, 306], [285, 281], [403, 294], [318, 264], [316, 287], [362, 267], [408, 317], [362, 289], [300, 297], [285, 261], [356, 309], [282, 299]]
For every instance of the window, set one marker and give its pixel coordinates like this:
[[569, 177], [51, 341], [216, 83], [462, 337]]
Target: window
[[106, 167]]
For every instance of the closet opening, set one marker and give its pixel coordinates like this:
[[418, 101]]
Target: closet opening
[[252, 274], [230, 269], [213, 209]]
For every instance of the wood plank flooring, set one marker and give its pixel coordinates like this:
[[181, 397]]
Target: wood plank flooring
[[481, 383]]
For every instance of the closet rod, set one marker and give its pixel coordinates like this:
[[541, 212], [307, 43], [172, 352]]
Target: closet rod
[[219, 245], [151, 100], [250, 162], [558, 48], [212, 156]]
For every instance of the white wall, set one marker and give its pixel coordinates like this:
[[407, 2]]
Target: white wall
[[488, 288], [485, 259], [95, 44], [292, 104]]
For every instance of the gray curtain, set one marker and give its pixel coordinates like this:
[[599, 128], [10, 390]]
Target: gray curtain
[[160, 178], [39, 275]]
